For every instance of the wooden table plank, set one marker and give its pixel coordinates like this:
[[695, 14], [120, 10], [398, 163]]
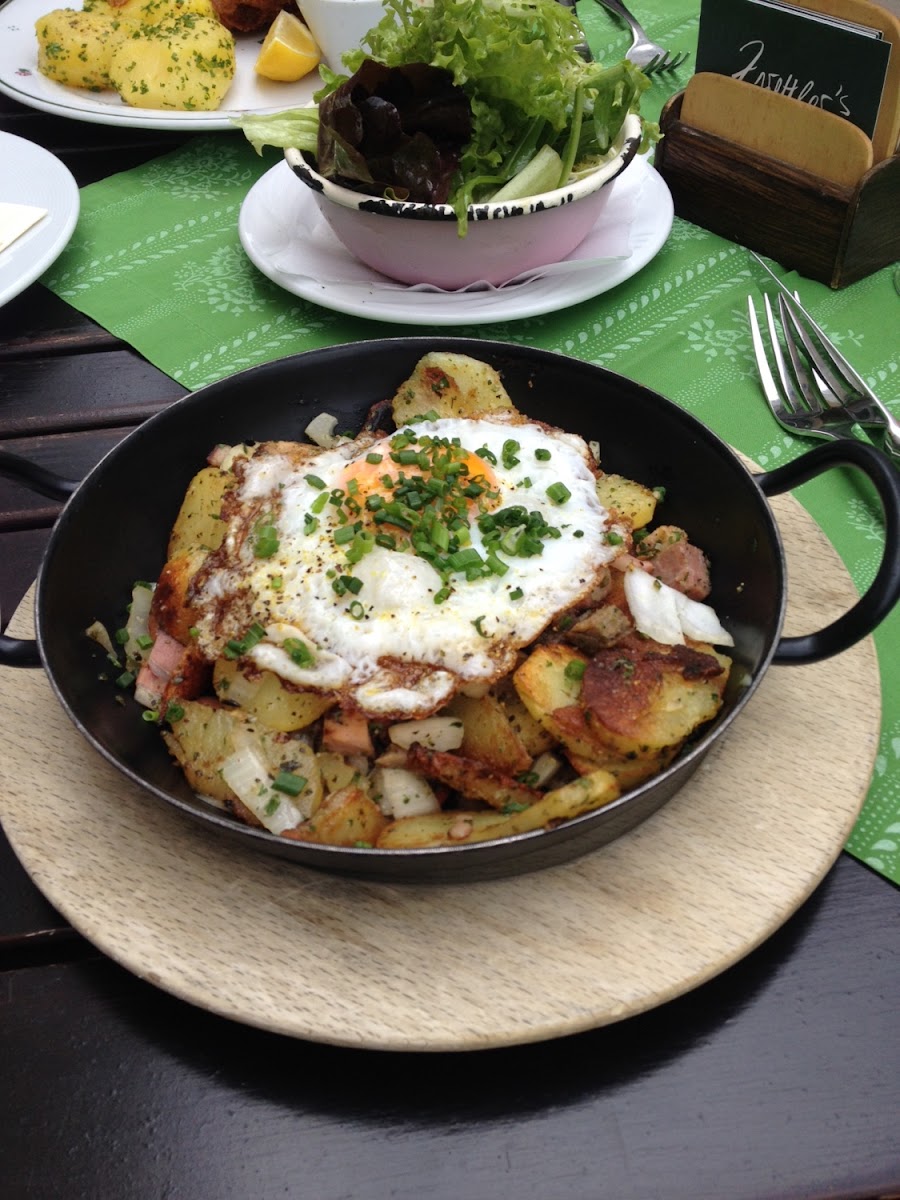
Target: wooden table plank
[[60, 388], [728, 1091], [70, 455]]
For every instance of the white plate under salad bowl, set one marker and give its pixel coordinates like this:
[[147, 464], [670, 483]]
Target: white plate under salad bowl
[[21, 81], [285, 237]]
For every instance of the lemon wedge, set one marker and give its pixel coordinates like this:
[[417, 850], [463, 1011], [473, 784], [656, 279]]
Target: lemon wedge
[[289, 50]]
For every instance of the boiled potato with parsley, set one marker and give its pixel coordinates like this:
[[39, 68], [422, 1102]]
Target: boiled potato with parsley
[[76, 48], [186, 64], [149, 12]]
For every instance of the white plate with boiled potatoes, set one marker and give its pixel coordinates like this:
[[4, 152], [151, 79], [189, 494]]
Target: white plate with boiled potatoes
[[21, 80]]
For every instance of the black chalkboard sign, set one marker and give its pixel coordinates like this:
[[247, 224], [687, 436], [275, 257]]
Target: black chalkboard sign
[[835, 65]]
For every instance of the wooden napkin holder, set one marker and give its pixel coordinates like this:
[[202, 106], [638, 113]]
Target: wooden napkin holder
[[823, 230]]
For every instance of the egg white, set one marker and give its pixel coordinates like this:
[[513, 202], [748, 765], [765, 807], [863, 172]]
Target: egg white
[[388, 649]]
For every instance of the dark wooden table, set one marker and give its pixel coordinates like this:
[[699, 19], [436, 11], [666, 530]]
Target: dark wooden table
[[781, 1078]]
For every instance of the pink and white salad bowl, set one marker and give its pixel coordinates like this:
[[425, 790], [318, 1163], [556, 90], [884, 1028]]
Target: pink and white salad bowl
[[420, 243]]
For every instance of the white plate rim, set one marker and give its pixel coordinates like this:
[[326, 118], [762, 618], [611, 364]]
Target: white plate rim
[[651, 225], [18, 51], [41, 179]]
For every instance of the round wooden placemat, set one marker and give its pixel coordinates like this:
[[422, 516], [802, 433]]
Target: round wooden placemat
[[462, 967]]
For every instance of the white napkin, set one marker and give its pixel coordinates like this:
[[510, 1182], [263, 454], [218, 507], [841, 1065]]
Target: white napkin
[[16, 219], [298, 242]]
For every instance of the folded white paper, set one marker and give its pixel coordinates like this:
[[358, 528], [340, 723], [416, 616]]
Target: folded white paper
[[16, 219]]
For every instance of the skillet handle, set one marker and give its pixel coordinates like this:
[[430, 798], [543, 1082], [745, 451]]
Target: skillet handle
[[884, 591], [35, 478], [17, 652]]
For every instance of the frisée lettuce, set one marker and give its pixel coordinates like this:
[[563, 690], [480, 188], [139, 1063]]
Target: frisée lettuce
[[518, 66]]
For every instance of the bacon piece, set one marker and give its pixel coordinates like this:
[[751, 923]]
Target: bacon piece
[[345, 733], [172, 670], [683, 567], [667, 554]]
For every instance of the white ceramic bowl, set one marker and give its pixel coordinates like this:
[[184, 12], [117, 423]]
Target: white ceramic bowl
[[420, 243], [340, 25]]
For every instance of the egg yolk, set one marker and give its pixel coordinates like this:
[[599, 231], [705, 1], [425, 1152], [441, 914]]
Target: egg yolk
[[417, 475]]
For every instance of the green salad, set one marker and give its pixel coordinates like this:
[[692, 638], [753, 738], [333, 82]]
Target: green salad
[[460, 102]]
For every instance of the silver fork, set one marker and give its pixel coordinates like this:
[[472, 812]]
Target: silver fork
[[808, 398], [644, 53]]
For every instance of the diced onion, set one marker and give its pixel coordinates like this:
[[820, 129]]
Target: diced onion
[[699, 621], [320, 431], [98, 632], [137, 624], [543, 769], [247, 774], [668, 616], [434, 733], [653, 607], [400, 793]]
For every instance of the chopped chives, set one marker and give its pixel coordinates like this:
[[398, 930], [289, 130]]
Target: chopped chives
[[289, 783], [298, 652]]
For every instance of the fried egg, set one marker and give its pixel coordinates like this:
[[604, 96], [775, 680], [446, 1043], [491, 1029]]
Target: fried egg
[[395, 571]]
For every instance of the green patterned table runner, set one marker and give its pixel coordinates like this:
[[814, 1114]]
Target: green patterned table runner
[[156, 259]]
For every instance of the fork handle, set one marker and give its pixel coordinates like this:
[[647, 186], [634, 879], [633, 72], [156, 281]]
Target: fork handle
[[884, 591], [621, 11]]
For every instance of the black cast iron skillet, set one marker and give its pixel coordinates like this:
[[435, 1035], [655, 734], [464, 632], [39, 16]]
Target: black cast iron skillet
[[114, 529]]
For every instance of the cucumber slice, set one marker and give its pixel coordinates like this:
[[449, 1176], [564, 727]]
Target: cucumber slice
[[540, 175]]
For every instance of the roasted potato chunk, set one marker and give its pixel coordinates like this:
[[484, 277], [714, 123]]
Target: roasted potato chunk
[[200, 742], [439, 829], [545, 682], [450, 385], [627, 500], [488, 735], [209, 732], [675, 697], [265, 696], [457, 828], [346, 818], [471, 779], [198, 525], [171, 609]]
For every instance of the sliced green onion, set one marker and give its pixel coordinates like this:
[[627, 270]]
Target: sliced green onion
[[289, 783], [298, 652], [558, 493], [315, 481]]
